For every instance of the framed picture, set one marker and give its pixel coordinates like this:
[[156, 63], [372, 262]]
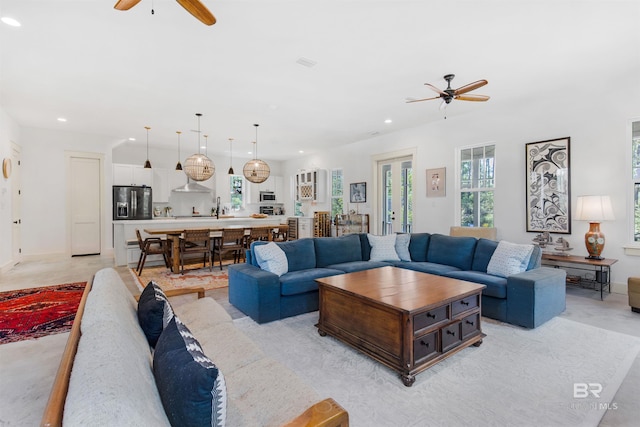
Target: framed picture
[[436, 182], [358, 192], [548, 186]]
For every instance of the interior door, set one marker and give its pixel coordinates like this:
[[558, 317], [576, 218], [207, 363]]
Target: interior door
[[85, 206], [396, 200], [16, 205]]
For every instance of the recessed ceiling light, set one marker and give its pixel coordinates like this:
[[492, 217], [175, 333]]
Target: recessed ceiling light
[[388, 121], [132, 139], [301, 151], [10, 21], [62, 119]]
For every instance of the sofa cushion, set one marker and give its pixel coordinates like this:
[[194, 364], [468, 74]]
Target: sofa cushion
[[402, 246], [350, 267], [301, 281], [482, 256], [191, 387], [496, 286], [336, 250], [454, 251], [154, 312], [383, 248], [301, 254], [418, 245], [509, 258], [426, 267], [271, 258]]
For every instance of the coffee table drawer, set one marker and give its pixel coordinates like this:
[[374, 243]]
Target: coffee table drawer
[[470, 325], [465, 304], [425, 347], [431, 317], [451, 336]]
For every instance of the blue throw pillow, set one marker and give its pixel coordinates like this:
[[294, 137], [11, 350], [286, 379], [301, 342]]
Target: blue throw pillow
[[154, 312], [191, 387]]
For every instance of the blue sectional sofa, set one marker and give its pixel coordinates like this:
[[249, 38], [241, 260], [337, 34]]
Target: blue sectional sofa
[[527, 299]]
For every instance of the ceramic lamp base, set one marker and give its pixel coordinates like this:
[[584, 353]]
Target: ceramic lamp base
[[594, 241]]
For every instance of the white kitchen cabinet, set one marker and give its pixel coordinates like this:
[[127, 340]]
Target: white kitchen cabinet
[[160, 186], [124, 174], [305, 227], [311, 185], [273, 183]]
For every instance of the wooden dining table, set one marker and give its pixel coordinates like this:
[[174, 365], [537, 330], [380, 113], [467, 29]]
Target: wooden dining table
[[173, 237]]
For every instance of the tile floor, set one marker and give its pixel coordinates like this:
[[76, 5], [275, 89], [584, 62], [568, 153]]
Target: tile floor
[[582, 306]]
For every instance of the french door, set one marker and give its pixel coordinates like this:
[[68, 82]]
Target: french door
[[396, 199]]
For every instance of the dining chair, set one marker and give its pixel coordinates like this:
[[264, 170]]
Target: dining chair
[[231, 240], [151, 246], [257, 233], [196, 242]]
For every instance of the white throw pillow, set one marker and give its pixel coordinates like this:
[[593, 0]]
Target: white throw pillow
[[509, 258], [383, 248], [402, 246], [271, 258]]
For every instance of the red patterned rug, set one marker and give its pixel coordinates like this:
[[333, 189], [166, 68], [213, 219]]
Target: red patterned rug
[[36, 312]]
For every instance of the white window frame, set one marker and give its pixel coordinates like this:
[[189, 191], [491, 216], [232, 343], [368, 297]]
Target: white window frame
[[632, 248], [458, 184], [333, 196]]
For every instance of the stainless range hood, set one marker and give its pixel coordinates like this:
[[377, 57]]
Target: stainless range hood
[[192, 187]]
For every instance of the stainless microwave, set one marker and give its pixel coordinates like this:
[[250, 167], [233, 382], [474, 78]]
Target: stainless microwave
[[267, 196]]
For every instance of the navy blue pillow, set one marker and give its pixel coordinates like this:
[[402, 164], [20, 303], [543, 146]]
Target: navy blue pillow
[[154, 312], [191, 387]]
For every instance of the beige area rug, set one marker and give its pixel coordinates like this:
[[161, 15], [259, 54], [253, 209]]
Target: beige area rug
[[194, 276], [517, 377]]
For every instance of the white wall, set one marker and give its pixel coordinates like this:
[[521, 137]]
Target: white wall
[[9, 132], [596, 119], [44, 188]]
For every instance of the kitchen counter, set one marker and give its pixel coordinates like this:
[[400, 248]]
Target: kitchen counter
[[124, 232]]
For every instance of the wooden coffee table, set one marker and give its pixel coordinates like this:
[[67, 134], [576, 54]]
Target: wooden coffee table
[[404, 319]]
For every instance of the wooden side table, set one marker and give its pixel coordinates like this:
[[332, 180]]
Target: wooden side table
[[601, 267]]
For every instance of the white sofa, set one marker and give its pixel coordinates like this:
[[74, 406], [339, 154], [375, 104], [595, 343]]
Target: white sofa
[[110, 377]]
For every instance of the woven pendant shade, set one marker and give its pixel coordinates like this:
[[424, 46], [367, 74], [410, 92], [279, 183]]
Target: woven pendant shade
[[256, 170], [199, 167]]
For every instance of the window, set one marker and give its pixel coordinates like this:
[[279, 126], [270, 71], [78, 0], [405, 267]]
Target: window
[[477, 183], [236, 184], [337, 186], [635, 168]]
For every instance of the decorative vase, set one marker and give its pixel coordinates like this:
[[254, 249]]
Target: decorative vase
[[594, 241]]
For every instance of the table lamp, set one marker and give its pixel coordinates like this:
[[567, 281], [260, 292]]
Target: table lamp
[[594, 209]]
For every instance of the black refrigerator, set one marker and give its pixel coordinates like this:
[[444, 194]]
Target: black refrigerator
[[131, 202]]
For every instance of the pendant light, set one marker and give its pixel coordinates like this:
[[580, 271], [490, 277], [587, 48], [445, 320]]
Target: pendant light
[[147, 164], [230, 158], [178, 165], [199, 167], [256, 170]]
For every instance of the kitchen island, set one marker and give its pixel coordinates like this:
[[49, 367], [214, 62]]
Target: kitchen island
[[125, 245]]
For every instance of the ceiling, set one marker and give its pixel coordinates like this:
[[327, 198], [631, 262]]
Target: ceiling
[[112, 73]]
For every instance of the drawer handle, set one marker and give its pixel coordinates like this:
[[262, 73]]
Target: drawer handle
[[450, 332], [426, 344], [469, 322], [464, 302], [431, 316]]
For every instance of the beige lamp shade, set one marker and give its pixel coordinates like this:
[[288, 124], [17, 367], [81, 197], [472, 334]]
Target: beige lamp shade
[[256, 171], [199, 167], [594, 208]]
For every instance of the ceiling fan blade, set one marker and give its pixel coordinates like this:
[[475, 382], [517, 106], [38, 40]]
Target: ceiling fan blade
[[435, 89], [199, 10], [470, 87], [420, 100], [125, 4], [472, 97]]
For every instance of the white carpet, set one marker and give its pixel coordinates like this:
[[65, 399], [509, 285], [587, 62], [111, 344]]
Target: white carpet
[[517, 377]]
